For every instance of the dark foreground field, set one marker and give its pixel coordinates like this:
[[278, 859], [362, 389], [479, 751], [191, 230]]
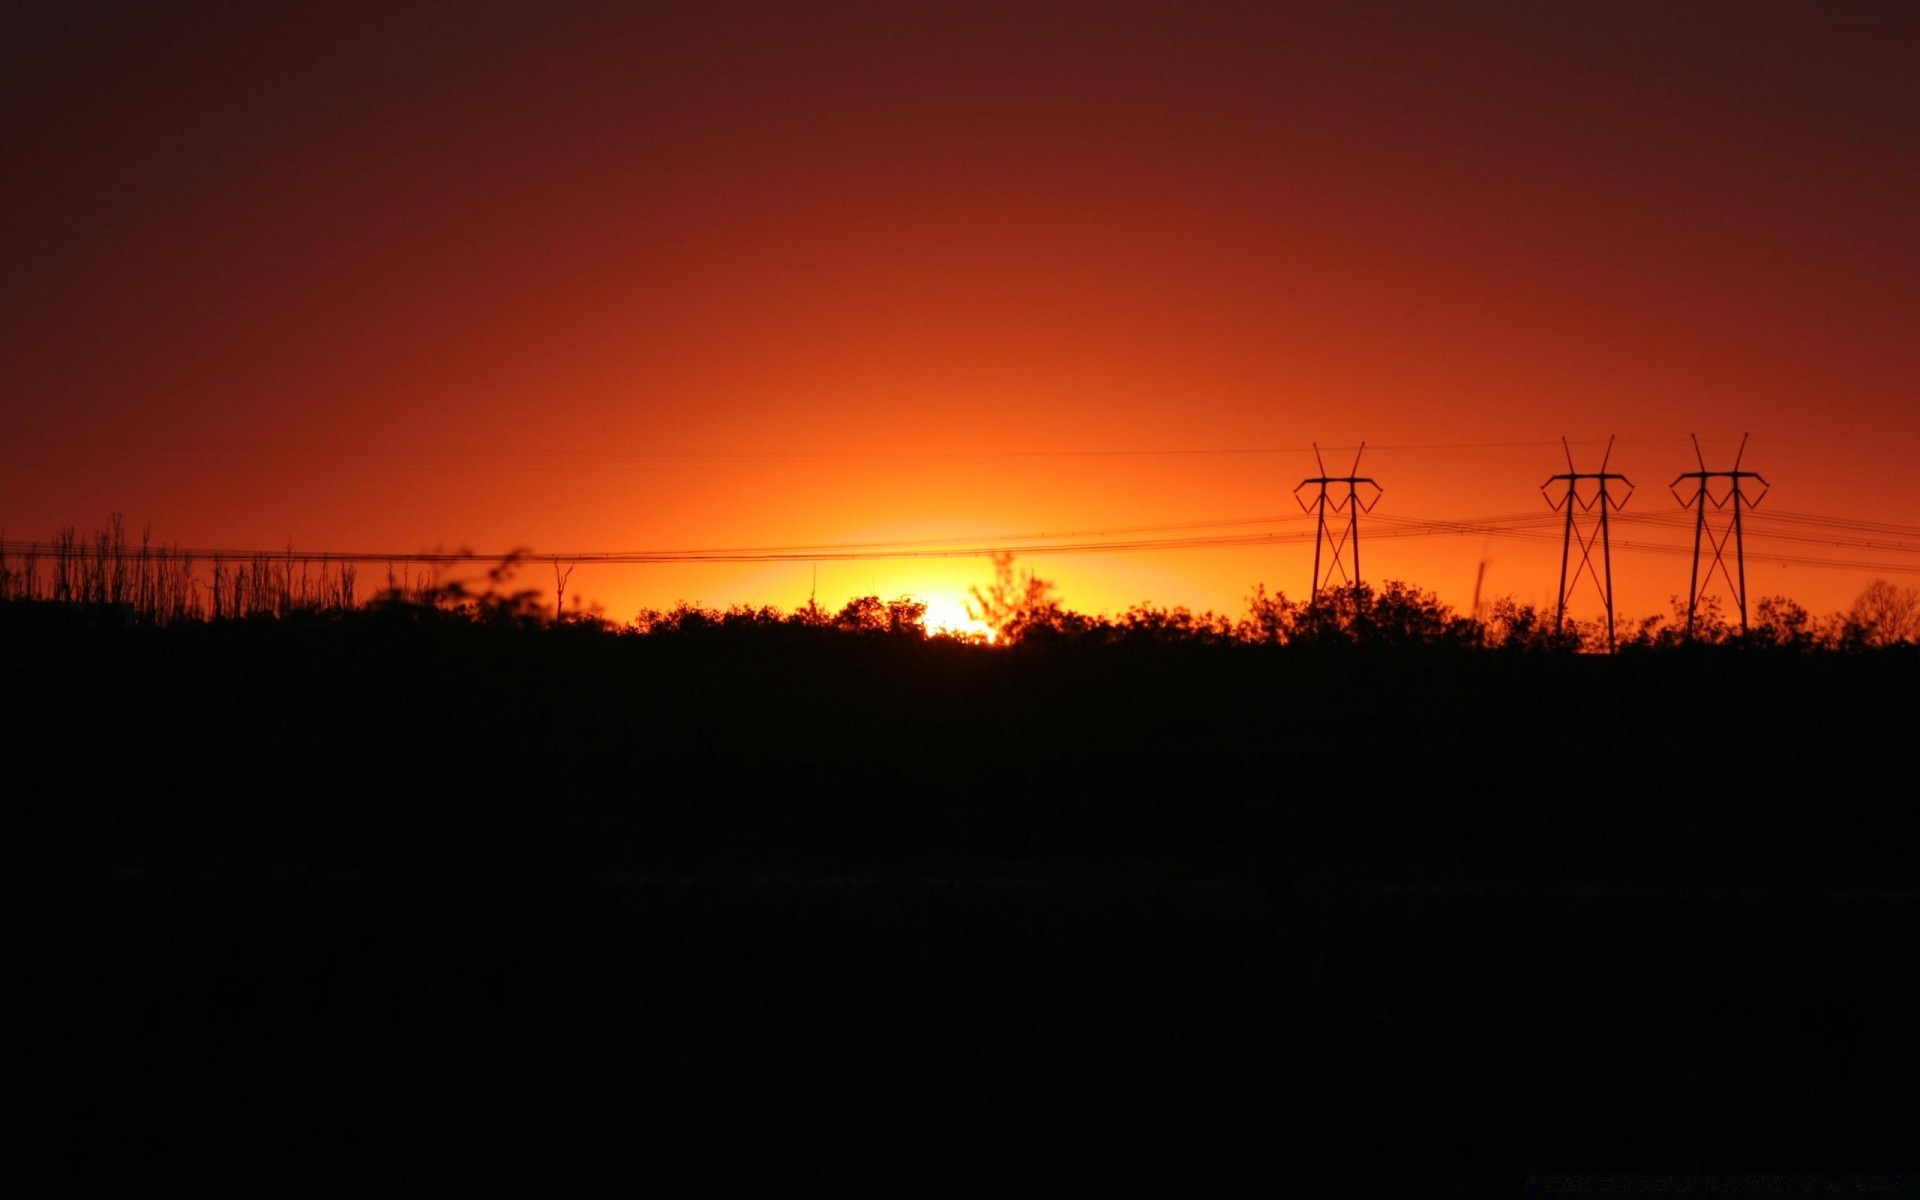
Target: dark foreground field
[[386, 906]]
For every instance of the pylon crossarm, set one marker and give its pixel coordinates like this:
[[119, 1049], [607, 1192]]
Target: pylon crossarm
[[1765, 487]]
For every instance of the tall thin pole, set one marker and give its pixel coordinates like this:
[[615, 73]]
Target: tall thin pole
[[1606, 542], [1566, 549]]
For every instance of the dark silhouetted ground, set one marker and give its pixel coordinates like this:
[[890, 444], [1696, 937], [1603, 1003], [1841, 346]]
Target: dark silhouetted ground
[[393, 905]]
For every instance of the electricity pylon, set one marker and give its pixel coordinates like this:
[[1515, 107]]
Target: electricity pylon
[[1342, 544], [1599, 501], [1732, 501]]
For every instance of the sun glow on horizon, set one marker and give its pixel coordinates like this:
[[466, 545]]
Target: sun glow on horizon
[[946, 615]]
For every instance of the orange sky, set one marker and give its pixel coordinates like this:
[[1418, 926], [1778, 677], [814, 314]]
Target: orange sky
[[638, 277]]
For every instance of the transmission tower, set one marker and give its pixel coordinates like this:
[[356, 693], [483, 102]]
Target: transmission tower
[[1730, 502], [1342, 544], [1598, 501]]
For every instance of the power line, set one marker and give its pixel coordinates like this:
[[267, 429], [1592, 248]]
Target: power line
[[1763, 528], [420, 453]]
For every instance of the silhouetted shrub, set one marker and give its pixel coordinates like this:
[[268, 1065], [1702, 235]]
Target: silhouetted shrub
[[1513, 626], [1397, 615]]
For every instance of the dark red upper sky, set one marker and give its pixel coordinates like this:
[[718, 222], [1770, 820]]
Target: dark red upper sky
[[617, 277]]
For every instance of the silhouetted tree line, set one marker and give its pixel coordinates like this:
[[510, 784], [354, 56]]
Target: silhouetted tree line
[[110, 578], [465, 709], [1021, 609]]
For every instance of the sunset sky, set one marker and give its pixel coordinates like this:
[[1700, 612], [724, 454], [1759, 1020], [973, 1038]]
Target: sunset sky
[[592, 278]]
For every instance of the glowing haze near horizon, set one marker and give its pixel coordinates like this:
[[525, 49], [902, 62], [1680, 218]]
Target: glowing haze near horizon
[[577, 278]]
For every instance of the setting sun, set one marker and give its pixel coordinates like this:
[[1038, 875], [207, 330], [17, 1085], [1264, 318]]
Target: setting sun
[[946, 615]]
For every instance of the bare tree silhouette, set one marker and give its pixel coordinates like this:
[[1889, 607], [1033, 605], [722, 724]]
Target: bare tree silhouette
[[1887, 612], [1016, 602]]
